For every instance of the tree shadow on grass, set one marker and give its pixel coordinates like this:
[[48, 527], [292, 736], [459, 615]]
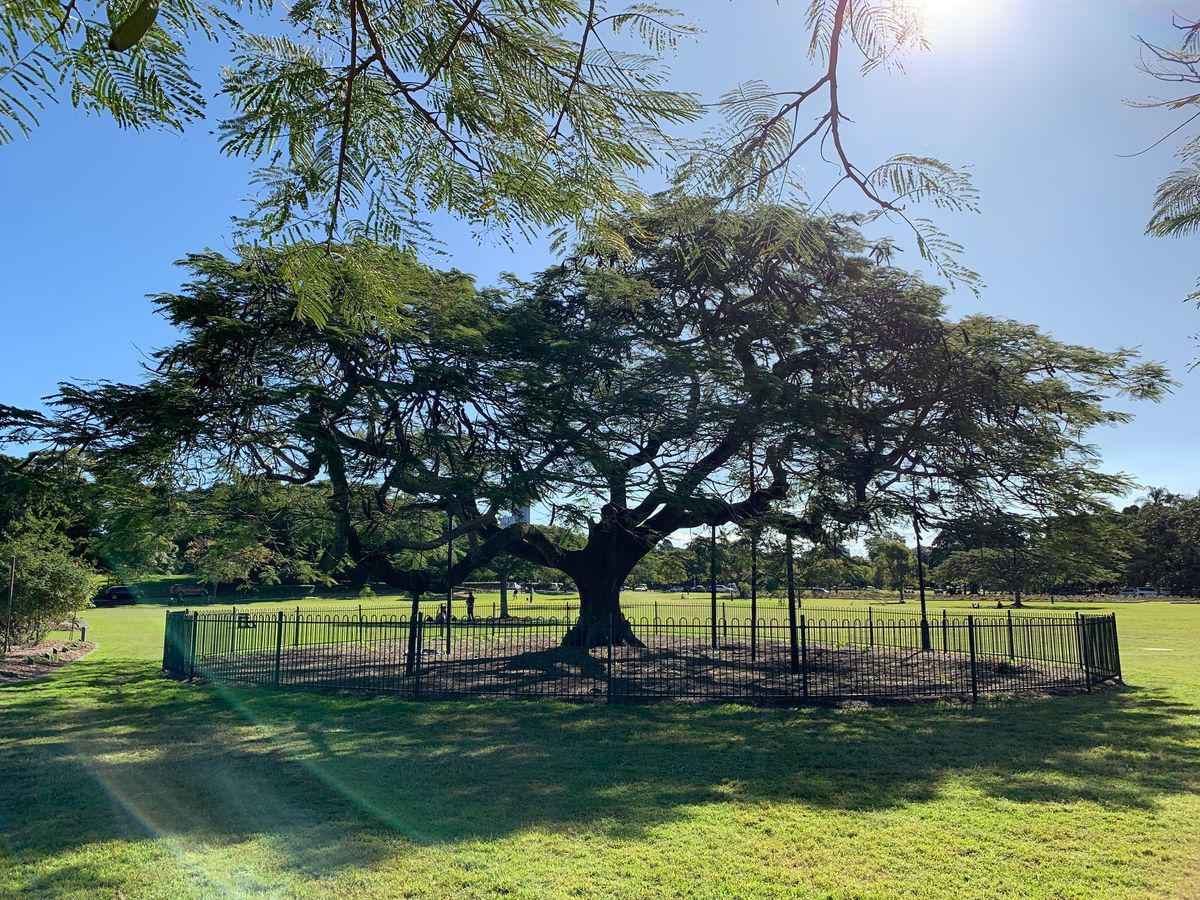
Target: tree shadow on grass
[[113, 751]]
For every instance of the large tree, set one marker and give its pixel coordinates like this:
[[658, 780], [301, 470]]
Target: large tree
[[626, 394]]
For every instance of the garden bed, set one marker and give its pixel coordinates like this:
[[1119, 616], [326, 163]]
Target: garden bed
[[35, 660]]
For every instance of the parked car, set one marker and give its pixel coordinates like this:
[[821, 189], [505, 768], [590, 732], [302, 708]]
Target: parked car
[[642, 587], [116, 595], [181, 591]]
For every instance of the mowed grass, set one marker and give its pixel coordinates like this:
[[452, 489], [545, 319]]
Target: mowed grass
[[117, 782]]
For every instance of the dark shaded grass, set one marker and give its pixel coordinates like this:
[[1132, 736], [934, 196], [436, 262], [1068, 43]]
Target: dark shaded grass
[[224, 764]]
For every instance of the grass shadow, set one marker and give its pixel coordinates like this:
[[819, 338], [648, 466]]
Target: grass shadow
[[111, 750]]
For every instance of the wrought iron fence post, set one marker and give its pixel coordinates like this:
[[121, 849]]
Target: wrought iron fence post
[[945, 635], [1083, 654], [192, 646], [278, 645], [974, 673], [166, 639], [791, 591], [1116, 646], [870, 627], [233, 631], [804, 656], [655, 612], [417, 656], [724, 622], [360, 623], [1012, 652], [608, 687], [712, 582], [296, 630], [414, 620]]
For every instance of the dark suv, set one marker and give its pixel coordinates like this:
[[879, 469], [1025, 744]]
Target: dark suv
[[117, 595]]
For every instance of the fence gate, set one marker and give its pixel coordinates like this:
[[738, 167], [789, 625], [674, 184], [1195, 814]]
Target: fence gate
[[178, 644], [1101, 653]]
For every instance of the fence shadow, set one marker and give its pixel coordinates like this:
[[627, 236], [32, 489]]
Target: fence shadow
[[114, 751]]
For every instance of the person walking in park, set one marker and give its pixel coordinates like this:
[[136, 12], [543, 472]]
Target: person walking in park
[[470, 605]]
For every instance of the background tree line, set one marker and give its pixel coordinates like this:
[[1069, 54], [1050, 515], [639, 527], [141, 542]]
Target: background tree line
[[65, 515]]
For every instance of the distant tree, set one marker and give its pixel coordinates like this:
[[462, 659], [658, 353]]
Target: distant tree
[[1087, 549], [1005, 550], [895, 563], [48, 498], [1165, 530]]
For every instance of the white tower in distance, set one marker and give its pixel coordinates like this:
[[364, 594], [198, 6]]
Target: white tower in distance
[[518, 515]]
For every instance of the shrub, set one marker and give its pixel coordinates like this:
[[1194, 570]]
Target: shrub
[[50, 585]]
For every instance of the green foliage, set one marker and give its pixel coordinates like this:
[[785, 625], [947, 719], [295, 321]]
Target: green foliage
[[1177, 199], [363, 116], [1165, 532], [756, 151], [895, 564], [47, 46], [50, 585], [1085, 549], [45, 498], [739, 367]]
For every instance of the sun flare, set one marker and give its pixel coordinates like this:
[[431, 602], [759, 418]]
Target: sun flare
[[944, 18]]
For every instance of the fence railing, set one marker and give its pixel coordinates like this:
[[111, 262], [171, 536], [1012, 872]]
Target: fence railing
[[769, 660], [731, 610]]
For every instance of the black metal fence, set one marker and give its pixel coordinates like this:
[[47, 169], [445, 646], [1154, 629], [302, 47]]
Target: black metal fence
[[869, 655]]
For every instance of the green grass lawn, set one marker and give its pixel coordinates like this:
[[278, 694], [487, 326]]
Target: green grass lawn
[[116, 782]]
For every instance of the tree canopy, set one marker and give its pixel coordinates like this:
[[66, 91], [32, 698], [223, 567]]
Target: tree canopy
[[757, 366], [1176, 210], [362, 117]]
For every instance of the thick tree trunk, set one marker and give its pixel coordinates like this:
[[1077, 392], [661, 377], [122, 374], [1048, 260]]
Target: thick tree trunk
[[599, 614], [600, 570]]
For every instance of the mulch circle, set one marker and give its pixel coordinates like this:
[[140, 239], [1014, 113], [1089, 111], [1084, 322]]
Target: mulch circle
[[665, 670], [36, 660]]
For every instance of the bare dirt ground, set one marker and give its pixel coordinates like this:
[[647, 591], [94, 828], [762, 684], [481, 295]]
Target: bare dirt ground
[[38, 659], [667, 669]]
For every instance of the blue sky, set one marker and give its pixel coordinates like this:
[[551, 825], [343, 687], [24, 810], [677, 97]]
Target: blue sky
[[1030, 94]]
